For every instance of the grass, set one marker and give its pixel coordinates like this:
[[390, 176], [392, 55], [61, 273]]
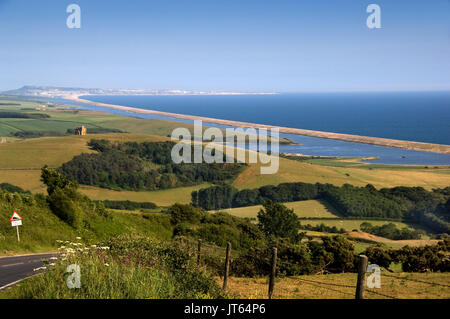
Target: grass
[[294, 288], [165, 197], [41, 228], [296, 171], [307, 208], [153, 270]]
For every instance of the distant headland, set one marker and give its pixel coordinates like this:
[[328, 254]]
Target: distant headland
[[55, 92]]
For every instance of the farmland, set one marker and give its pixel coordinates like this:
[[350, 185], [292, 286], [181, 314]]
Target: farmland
[[321, 287], [307, 208]]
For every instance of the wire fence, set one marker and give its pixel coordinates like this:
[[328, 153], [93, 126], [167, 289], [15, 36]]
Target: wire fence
[[202, 250]]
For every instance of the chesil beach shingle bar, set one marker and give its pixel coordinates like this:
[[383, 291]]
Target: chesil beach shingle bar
[[411, 145]]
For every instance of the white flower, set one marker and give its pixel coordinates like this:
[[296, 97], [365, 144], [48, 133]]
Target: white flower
[[53, 258], [52, 264], [107, 265], [78, 238], [40, 268], [105, 248], [94, 246]]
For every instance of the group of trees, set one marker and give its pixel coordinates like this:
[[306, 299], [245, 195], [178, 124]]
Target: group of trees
[[21, 115], [415, 204], [323, 228], [13, 188], [142, 166], [67, 203], [278, 226], [128, 205], [390, 231], [413, 259]]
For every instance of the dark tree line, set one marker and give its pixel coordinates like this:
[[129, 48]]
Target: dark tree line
[[413, 259], [142, 166], [415, 204], [390, 231], [20, 115], [128, 205]]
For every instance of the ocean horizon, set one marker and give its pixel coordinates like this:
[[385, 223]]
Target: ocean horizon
[[412, 116]]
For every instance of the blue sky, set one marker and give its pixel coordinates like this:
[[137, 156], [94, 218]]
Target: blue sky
[[239, 45]]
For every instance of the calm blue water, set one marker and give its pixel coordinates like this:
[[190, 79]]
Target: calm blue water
[[423, 117], [309, 145]]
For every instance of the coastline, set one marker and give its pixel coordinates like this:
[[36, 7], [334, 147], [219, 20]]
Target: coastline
[[410, 145]]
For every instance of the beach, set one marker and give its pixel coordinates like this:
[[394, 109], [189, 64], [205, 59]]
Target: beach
[[403, 144]]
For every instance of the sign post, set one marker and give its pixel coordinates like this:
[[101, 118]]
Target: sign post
[[16, 221]]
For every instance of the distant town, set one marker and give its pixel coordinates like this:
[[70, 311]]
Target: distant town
[[55, 92]]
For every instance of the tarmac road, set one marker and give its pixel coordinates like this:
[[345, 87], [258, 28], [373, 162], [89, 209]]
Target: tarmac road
[[13, 269]]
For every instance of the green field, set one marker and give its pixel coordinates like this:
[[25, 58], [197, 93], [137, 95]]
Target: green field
[[307, 208], [296, 171], [165, 197]]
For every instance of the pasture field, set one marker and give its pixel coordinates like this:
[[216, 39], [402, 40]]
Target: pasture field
[[322, 287], [164, 197], [307, 208], [296, 171]]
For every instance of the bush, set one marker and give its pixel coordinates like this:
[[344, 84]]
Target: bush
[[277, 220], [65, 208], [180, 213]]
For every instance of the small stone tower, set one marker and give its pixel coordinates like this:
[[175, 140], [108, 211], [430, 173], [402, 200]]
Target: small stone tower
[[80, 130]]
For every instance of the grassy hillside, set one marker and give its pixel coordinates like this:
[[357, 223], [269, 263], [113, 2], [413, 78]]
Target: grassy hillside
[[296, 171], [41, 228]]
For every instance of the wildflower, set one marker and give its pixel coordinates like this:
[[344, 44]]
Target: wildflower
[[107, 265], [52, 264], [104, 248], [40, 268], [53, 258], [94, 246], [78, 238]]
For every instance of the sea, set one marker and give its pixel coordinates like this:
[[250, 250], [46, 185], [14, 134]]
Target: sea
[[413, 116]]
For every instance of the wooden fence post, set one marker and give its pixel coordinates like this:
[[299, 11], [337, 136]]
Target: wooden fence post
[[199, 251], [273, 272], [227, 266], [361, 283]]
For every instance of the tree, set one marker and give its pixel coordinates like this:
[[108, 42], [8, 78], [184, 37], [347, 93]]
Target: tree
[[278, 220], [180, 213]]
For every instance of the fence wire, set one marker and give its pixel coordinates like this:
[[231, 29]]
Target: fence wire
[[313, 283], [218, 251], [416, 280]]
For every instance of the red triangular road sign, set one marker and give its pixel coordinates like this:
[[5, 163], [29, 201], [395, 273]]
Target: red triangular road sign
[[15, 216]]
